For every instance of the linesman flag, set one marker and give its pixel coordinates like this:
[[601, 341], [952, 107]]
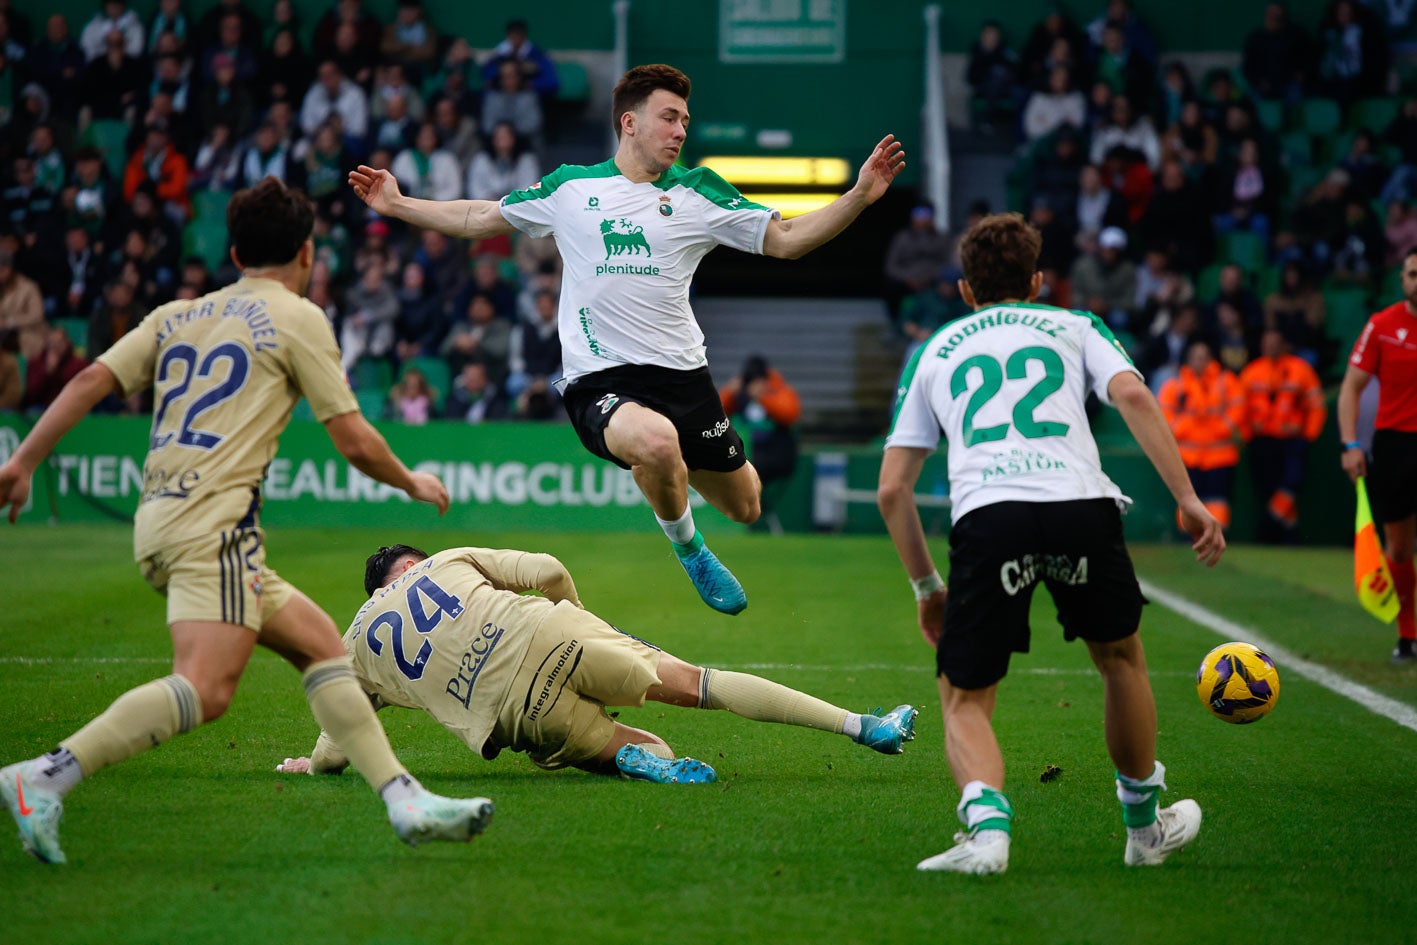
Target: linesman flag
[[1376, 591]]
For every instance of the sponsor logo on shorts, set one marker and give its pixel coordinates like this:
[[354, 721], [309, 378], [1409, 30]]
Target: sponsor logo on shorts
[[607, 402], [718, 429], [548, 681], [1022, 573], [733, 451]]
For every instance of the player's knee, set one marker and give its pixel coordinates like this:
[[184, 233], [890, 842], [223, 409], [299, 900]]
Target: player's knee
[[744, 509], [216, 696], [1117, 656], [659, 450], [1398, 552]]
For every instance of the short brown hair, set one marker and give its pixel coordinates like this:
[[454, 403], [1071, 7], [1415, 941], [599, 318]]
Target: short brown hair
[[999, 255], [636, 85], [269, 223]]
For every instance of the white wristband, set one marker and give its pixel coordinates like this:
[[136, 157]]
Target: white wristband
[[927, 585]]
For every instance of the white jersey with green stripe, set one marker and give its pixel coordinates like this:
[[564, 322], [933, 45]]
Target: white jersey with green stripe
[[1006, 387], [630, 251]]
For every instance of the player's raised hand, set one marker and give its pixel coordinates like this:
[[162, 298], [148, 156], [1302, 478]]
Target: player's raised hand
[[1207, 539], [881, 168], [376, 187], [427, 487], [14, 488]]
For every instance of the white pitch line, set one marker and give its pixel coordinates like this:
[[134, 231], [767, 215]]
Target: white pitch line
[[1375, 702]]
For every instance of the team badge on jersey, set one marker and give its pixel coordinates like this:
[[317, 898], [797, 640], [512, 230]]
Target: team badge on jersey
[[664, 208]]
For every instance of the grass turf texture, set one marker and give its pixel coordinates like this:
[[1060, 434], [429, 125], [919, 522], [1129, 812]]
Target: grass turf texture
[[806, 837]]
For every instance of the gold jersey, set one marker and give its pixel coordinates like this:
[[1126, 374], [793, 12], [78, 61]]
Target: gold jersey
[[226, 371]]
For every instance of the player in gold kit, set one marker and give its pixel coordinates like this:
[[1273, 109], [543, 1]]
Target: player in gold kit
[[452, 634], [226, 371]]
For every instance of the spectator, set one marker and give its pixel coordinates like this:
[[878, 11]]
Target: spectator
[[505, 167], [56, 365], [377, 251], [1353, 55], [115, 316], [1284, 412], [161, 165], [1400, 231], [1059, 105], [1319, 221], [535, 350], [332, 247], [161, 233], [425, 170], [538, 256], [1096, 209], [91, 194], [455, 79], [368, 32], [1059, 250], [1278, 57], [1193, 141], [1056, 170], [1160, 289], [457, 133], [331, 96], [57, 63], [1358, 256], [112, 84], [487, 279], [1160, 358], [931, 307], [12, 379], [393, 131], [393, 83], [1296, 310], [236, 43], [112, 17], [916, 255], [371, 311], [770, 407], [1055, 41], [1231, 338], [420, 327], [1402, 134], [534, 65], [1205, 408], [412, 399], [1221, 95], [511, 100], [21, 307], [284, 18], [265, 155], [1104, 281], [410, 40], [76, 297], [443, 263], [1128, 131], [353, 59], [285, 69], [1365, 168], [170, 79], [1176, 90], [49, 170], [217, 165], [474, 397], [481, 337], [1135, 33], [993, 77], [1246, 196], [228, 25], [169, 18], [30, 211], [225, 101], [1235, 291], [1122, 70]]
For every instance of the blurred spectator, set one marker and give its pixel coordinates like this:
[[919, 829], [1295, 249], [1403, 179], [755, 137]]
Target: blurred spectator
[[487, 279], [1135, 33], [1296, 310], [235, 45], [1059, 250], [21, 307], [159, 231], [169, 18], [371, 310], [393, 83], [91, 194], [1160, 357], [1319, 218], [1192, 140], [480, 336], [326, 165], [332, 247], [442, 261], [411, 400], [393, 130], [1278, 57], [378, 251], [57, 63], [1231, 338], [916, 255], [538, 256], [1235, 291], [1127, 130], [31, 212], [117, 314], [1056, 168], [1358, 256], [425, 170], [1353, 55], [286, 73], [49, 170], [410, 40], [1161, 290], [368, 32], [1246, 196], [160, 164], [770, 407], [511, 100], [534, 65], [1400, 231], [112, 84], [474, 397], [1095, 208], [420, 326], [1284, 413], [333, 95], [1176, 90], [265, 155], [113, 16], [505, 167], [535, 350], [933, 306], [225, 101], [1055, 41], [12, 381], [1104, 281], [55, 366], [353, 58], [170, 79], [1058, 105], [456, 78], [1205, 408], [1402, 134], [80, 276], [228, 25], [993, 77], [1221, 95], [1365, 168], [1122, 70], [457, 133]]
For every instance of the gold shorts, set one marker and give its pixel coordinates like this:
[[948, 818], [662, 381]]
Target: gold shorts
[[221, 577], [577, 665]]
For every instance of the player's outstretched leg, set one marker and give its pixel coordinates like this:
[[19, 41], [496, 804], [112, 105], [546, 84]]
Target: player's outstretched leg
[[639, 763], [36, 810], [886, 733], [715, 583]]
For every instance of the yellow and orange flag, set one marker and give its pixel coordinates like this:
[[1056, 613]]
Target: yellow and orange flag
[[1370, 573]]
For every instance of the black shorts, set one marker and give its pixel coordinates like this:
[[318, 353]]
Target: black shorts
[[998, 553], [1392, 478], [687, 398]]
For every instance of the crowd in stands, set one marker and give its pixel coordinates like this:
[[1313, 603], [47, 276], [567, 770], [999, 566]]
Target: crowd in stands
[[122, 139]]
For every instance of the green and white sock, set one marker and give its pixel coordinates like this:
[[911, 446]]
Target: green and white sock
[[679, 530], [1139, 798], [984, 808]]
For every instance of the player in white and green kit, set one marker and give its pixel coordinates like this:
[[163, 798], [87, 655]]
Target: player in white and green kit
[[631, 232], [1030, 502]]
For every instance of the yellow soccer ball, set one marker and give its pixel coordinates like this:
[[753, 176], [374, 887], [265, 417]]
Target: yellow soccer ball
[[1238, 683]]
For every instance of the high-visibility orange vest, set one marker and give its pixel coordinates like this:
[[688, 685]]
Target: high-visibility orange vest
[[1206, 414], [1283, 398]]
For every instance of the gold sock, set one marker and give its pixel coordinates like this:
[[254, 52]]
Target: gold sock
[[140, 719], [765, 701], [343, 711]]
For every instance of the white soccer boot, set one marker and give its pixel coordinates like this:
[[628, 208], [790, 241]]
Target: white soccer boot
[[428, 816], [1176, 826], [984, 852], [36, 810]]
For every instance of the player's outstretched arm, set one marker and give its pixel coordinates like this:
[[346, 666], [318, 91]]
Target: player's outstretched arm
[[1350, 391], [895, 495], [74, 402], [1147, 423], [467, 219], [368, 451], [791, 239]]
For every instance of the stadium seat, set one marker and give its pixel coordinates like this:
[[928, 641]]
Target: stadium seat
[[507, 269], [210, 205], [1246, 249], [1301, 181], [1296, 149], [1208, 280], [110, 137], [437, 373], [1319, 116], [372, 374], [575, 81], [205, 238], [1346, 312], [1375, 114], [77, 329], [1267, 280], [1272, 115], [372, 403]]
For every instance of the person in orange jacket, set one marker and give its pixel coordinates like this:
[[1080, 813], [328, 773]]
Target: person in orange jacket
[[159, 164], [1284, 413], [1205, 407], [771, 409]]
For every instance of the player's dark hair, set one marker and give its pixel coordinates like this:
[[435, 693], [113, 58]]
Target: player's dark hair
[[1411, 251], [269, 223], [999, 255], [639, 83], [381, 562]]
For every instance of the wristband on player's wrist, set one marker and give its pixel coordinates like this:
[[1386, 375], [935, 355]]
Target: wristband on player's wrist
[[1352, 445], [929, 584]]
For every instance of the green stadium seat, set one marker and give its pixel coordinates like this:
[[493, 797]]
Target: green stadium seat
[[575, 81], [1272, 115], [1375, 114], [372, 403], [1296, 149], [436, 372], [372, 374], [1267, 280], [1390, 289], [1302, 180], [1346, 312], [77, 329], [210, 205], [1319, 116], [206, 238], [507, 269], [110, 137], [1246, 249], [1208, 281], [1334, 148]]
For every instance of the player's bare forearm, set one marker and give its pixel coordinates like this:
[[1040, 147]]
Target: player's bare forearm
[[1148, 425], [74, 402], [465, 219], [795, 238], [895, 496], [367, 451], [1350, 392]]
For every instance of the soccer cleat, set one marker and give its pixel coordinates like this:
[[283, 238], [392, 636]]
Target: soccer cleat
[[715, 583], [1179, 825], [978, 853], [635, 762], [428, 816], [1404, 652], [884, 733], [36, 810]]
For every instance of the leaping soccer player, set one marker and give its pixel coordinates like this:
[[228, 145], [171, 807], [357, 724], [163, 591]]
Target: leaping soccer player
[[631, 231], [452, 634]]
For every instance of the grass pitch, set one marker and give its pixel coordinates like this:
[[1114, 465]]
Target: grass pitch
[[806, 837]]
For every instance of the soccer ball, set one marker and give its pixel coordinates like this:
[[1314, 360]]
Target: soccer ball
[[1238, 683]]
